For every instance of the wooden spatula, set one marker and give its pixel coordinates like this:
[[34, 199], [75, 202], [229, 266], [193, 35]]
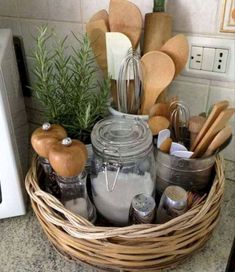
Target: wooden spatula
[[101, 15], [125, 17], [177, 48], [220, 122], [219, 139], [158, 71], [96, 33], [216, 110]]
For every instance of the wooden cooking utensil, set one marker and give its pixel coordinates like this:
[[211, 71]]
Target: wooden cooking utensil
[[195, 125], [177, 48], [159, 109], [157, 27], [216, 110], [158, 71], [166, 145], [125, 17], [220, 122], [96, 33], [101, 15], [158, 123], [219, 139]]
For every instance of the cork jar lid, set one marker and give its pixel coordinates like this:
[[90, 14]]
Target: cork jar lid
[[68, 157], [46, 135]]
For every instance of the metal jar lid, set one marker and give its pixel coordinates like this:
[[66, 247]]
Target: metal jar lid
[[121, 137]]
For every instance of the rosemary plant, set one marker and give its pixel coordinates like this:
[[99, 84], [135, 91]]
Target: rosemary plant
[[66, 84], [158, 5]]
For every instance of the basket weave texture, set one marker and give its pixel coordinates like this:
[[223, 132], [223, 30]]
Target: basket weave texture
[[146, 247]]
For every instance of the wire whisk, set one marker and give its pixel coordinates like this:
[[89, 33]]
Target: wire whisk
[[129, 86]]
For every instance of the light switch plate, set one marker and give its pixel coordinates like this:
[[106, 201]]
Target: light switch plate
[[225, 72]]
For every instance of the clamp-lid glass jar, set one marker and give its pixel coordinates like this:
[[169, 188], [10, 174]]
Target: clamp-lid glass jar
[[123, 166]]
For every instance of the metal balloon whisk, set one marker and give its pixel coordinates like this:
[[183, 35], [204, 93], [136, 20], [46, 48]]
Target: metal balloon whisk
[[129, 86]]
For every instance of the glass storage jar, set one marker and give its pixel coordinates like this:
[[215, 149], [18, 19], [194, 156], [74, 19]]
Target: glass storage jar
[[123, 166]]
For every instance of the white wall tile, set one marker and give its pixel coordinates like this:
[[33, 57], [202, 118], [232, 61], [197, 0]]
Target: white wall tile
[[29, 30], [33, 9], [12, 23], [92, 6], [194, 95], [229, 151], [196, 16], [69, 10], [8, 8]]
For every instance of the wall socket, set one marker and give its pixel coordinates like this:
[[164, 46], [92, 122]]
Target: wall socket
[[211, 58]]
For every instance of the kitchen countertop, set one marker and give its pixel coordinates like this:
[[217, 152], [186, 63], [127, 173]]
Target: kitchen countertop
[[24, 247]]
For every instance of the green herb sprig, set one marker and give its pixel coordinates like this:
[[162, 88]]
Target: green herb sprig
[[66, 83]]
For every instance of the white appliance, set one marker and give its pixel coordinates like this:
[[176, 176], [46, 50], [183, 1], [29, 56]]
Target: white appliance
[[13, 132]]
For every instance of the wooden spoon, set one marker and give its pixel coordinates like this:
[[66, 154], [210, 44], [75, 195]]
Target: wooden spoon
[[219, 139], [177, 48], [125, 17], [96, 33], [158, 71], [101, 15], [216, 110], [220, 122], [159, 109], [158, 123]]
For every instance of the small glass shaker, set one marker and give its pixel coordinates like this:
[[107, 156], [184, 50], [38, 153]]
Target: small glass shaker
[[74, 196], [172, 204], [142, 210]]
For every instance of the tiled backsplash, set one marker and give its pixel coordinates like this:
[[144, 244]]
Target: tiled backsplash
[[194, 17]]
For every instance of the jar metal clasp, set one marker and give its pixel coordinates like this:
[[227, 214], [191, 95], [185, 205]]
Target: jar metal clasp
[[116, 165]]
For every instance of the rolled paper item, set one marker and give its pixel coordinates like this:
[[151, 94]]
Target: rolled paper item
[[195, 125], [157, 30], [68, 157], [158, 123], [46, 135]]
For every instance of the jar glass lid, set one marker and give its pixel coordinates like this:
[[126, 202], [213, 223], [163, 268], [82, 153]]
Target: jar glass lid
[[121, 136]]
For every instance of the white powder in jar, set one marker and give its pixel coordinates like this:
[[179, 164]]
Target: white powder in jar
[[115, 205]]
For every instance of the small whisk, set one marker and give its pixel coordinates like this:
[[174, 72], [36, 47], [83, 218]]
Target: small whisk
[[179, 117], [129, 86]]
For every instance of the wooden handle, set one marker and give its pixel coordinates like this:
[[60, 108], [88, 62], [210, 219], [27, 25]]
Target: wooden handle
[[220, 122], [217, 109], [157, 30], [218, 141]]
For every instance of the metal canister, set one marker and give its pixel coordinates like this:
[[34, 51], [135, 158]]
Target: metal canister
[[172, 204], [142, 210]]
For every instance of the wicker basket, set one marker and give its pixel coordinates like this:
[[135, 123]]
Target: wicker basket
[[133, 248]]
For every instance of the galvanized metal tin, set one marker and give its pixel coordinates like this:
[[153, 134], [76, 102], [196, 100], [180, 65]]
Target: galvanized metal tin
[[190, 174]]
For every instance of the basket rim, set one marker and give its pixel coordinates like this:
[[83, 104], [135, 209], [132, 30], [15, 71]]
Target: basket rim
[[79, 227]]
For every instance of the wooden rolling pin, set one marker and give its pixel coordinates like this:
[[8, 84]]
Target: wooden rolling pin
[[157, 28]]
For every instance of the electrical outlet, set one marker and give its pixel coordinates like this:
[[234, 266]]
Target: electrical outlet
[[196, 57], [208, 59], [220, 61], [215, 60]]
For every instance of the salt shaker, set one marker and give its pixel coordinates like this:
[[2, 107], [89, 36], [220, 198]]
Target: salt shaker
[[68, 159], [41, 140], [172, 204], [142, 210]]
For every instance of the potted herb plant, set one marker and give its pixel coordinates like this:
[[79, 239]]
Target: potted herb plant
[[67, 85]]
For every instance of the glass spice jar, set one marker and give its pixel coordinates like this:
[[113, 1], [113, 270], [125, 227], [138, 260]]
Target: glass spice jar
[[74, 196], [123, 166]]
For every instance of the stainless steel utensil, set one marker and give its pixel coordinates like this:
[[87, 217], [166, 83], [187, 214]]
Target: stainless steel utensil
[[129, 87], [179, 121]]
